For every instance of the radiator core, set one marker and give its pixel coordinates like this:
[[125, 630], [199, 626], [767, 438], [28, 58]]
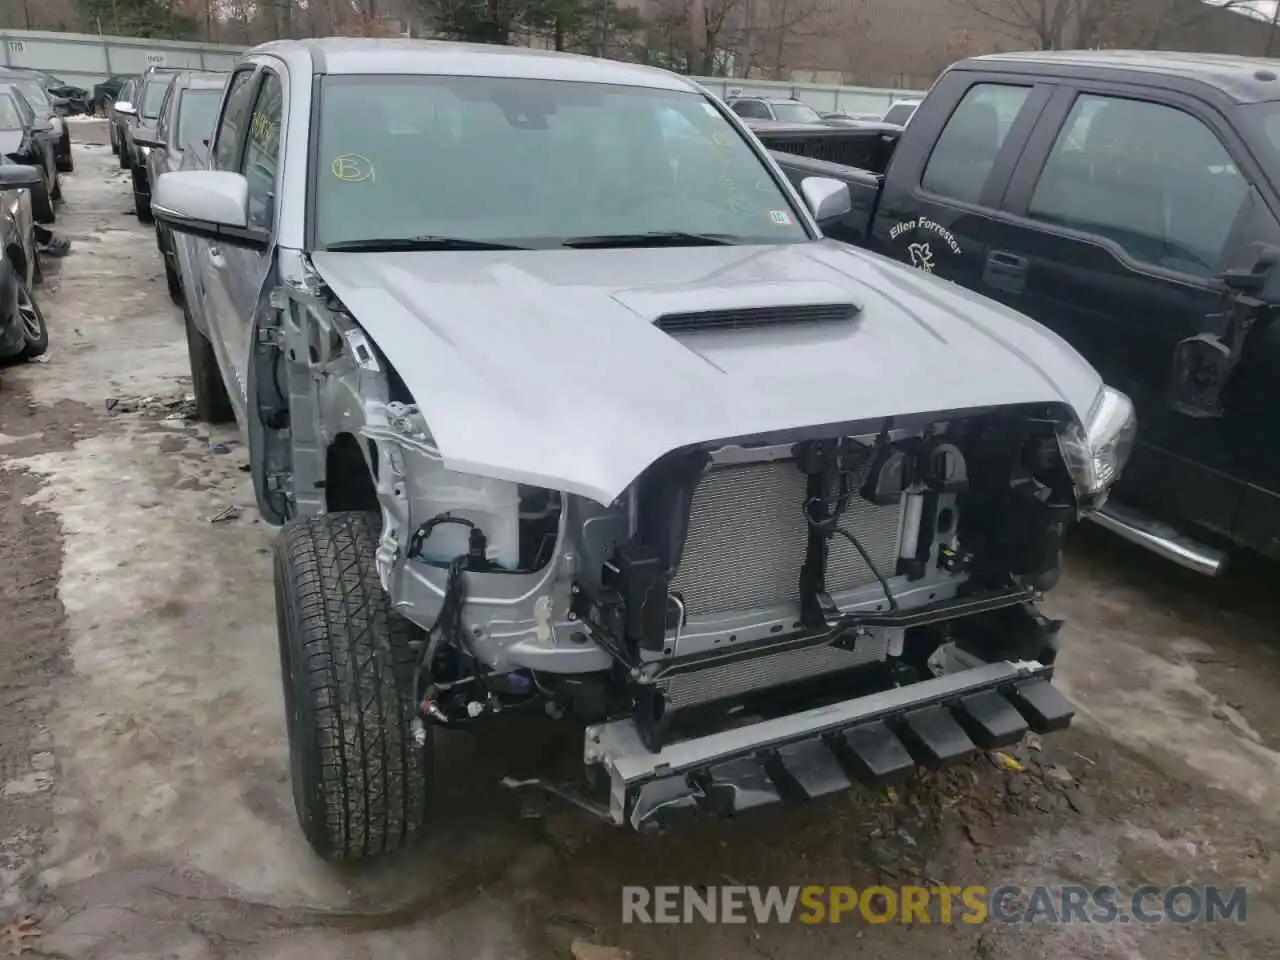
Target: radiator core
[[748, 535]]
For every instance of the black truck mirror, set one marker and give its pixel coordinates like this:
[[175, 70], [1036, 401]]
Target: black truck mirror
[[1202, 366]]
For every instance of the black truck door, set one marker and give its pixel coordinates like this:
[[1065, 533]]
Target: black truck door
[[936, 205], [1120, 211]]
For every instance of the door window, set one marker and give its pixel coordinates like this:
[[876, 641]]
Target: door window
[[966, 151], [1149, 177], [226, 148], [262, 152], [751, 109]]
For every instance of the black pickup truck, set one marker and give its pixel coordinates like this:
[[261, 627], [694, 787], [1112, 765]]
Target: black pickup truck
[[1130, 201]]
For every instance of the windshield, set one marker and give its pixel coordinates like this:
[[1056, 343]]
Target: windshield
[[10, 118], [197, 109], [152, 96], [35, 95], [534, 162], [796, 113], [900, 113]]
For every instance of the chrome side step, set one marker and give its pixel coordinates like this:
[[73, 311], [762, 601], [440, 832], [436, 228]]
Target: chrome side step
[[1160, 538]]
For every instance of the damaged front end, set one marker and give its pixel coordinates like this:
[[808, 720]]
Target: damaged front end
[[753, 618], [749, 621]]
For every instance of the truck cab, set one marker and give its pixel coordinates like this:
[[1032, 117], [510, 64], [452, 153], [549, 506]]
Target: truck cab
[[1129, 202]]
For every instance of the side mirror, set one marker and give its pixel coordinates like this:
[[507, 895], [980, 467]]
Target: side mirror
[[827, 199], [213, 204], [20, 176], [147, 137], [125, 108]]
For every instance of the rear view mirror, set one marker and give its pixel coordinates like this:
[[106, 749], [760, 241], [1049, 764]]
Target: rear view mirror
[[213, 204], [827, 199], [125, 108], [19, 176], [146, 136]]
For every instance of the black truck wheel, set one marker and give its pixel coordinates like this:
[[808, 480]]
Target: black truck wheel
[[359, 776], [212, 403]]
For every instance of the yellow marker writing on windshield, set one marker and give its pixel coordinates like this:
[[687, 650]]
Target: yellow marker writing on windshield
[[352, 168]]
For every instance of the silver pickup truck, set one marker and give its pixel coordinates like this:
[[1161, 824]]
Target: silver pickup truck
[[563, 403]]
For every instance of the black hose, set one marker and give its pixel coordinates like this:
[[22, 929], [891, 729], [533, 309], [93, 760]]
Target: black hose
[[871, 565]]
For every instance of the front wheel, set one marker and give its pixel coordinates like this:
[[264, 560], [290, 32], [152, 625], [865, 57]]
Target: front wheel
[[142, 207], [35, 333], [66, 162], [212, 403], [172, 280], [359, 775], [42, 205]]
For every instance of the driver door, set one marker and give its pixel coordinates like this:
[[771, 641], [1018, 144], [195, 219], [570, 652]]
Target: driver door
[[218, 286], [1122, 209]]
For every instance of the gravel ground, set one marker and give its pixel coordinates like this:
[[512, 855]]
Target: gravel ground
[[144, 800]]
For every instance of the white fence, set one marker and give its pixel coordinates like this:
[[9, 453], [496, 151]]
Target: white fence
[[85, 59]]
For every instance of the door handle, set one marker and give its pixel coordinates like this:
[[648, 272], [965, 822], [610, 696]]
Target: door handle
[[1005, 271]]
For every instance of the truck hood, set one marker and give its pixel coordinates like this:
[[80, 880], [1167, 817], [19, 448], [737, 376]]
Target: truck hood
[[545, 367]]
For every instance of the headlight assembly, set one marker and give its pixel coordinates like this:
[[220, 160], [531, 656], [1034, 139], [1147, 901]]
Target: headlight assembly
[[1096, 453], [145, 151]]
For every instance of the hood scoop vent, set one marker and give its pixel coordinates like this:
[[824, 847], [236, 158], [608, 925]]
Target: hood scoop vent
[[750, 318]]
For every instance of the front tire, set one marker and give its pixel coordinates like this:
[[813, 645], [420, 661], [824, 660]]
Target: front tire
[[212, 403], [172, 280], [42, 205], [35, 333], [142, 207], [66, 162], [359, 777]]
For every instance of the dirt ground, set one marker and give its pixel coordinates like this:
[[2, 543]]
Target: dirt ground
[[144, 801]]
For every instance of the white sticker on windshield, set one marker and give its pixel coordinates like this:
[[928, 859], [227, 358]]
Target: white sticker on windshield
[[710, 109], [780, 217]]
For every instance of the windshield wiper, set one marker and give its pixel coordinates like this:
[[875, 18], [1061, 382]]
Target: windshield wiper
[[670, 238], [390, 244]]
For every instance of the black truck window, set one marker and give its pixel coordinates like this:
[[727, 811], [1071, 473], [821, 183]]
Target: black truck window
[[966, 151], [751, 109], [1152, 178]]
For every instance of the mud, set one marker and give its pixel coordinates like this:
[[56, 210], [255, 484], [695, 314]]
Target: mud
[[144, 799]]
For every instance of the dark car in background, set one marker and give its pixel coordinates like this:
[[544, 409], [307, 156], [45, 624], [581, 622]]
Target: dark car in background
[[23, 334], [782, 109], [107, 92], [44, 106], [142, 109], [1130, 202], [186, 121], [77, 99], [26, 138], [118, 123]]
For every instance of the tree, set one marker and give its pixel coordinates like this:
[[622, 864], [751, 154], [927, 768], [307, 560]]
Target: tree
[[1067, 24]]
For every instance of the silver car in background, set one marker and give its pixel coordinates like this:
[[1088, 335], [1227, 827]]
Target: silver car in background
[[185, 124]]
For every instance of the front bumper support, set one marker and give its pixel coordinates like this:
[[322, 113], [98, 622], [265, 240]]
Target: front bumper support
[[875, 740]]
